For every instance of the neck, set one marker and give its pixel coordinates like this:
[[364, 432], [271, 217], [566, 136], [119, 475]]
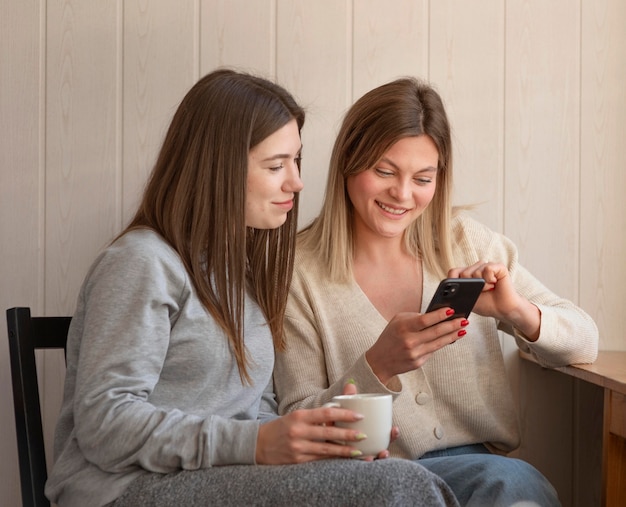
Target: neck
[[372, 248]]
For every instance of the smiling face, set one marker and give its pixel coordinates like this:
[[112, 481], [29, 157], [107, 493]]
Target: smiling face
[[388, 197], [273, 178]]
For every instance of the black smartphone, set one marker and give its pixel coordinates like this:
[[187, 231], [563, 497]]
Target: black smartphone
[[460, 294]]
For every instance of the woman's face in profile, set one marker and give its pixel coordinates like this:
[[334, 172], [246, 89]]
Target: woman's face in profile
[[388, 197], [273, 178]]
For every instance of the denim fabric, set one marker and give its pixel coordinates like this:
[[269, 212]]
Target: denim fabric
[[480, 479]]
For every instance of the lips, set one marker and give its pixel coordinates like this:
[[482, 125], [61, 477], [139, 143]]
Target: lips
[[285, 205], [393, 211]]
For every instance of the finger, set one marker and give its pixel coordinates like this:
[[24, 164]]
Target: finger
[[395, 433], [431, 318], [350, 387], [325, 415], [383, 454], [466, 272], [476, 270]]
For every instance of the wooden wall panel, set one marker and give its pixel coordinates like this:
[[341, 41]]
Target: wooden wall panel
[[245, 42], [160, 64], [313, 62], [603, 168], [467, 66], [542, 179], [81, 148], [21, 178], [389, 41]]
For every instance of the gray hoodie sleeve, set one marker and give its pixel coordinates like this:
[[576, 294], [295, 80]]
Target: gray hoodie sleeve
[[129, 406]]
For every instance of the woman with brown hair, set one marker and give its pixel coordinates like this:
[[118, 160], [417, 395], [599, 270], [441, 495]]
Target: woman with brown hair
[[365, 271], [168, 395]]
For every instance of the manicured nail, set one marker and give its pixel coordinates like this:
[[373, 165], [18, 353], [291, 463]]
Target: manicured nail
[[355, 454], [351, 381], [464, 322], [450, 312], [462, 332], [360, 436]]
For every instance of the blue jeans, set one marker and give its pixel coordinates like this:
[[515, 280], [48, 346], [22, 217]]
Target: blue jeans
[[479, 478]]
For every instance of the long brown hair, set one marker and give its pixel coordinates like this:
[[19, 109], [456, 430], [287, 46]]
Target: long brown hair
[[402, 108], [195, 199]]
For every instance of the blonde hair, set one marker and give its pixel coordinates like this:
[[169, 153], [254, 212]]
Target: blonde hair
[[402, 108], [195, 199]]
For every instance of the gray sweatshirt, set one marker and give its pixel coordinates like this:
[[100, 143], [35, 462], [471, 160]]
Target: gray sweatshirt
[[151, 384]]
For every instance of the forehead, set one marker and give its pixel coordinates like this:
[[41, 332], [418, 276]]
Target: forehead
[[420, 149], [284, 141]]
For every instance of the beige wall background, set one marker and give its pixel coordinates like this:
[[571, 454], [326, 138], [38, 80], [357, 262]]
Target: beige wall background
[[534, 90]]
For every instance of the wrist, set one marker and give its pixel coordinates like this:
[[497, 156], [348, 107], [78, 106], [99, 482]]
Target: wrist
[[376, 370], [527, 320]]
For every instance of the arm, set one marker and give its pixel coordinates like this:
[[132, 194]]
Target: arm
[[552, 328], [125, 413]]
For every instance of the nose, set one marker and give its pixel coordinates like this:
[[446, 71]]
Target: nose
[[293, 183], [400, 190]]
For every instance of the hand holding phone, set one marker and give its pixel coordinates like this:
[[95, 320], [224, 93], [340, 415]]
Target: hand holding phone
[[460, 294]]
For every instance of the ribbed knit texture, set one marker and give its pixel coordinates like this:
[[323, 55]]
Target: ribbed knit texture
[[461, 395]]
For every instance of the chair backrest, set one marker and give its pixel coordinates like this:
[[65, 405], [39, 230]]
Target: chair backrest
[[26, 334]]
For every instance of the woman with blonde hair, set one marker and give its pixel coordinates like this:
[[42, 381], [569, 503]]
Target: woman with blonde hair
[[365, 271], [168, 394]]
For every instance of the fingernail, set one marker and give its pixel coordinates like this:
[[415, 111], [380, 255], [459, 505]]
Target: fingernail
[[360, 436], [355, 454], [462, 332], [450, 312], [351, 381], [464, 322], [358, 416]]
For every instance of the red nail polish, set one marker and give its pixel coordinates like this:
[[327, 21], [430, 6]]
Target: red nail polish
[[462, 332], [450, 312], [464, 322]]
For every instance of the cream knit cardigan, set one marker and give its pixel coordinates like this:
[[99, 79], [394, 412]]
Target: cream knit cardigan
[[462, 394]]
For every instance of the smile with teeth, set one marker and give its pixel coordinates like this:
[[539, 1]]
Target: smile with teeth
[[393, 211]]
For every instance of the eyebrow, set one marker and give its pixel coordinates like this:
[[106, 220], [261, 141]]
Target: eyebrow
[[395, 166], [280, 156]]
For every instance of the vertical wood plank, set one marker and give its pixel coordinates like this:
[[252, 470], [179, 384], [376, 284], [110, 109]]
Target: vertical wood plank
[[603, 164], [160, 65], [467, 67], [389, 41], [21, 175], [313, 62], [230, 39], [542, 179], [81, 98]]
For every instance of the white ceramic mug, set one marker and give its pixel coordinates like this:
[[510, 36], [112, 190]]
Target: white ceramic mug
[[376, 422]]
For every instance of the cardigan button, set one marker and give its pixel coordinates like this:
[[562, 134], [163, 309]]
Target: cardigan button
[[422, 398], [438, 432]]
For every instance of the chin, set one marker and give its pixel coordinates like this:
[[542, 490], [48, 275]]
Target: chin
[[268, 224]]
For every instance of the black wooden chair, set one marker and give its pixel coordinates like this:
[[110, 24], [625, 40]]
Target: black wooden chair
[[26, 334]]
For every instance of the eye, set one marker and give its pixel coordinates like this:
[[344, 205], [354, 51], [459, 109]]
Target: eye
[[383, 172], [423, 181], [277, 168]]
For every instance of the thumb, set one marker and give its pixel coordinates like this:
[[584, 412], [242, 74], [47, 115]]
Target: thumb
[[350, 387]]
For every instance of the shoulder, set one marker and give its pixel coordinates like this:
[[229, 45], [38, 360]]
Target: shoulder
[[465, 226], [310, 273], [139, 254], [479, 242], [307, 262]]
